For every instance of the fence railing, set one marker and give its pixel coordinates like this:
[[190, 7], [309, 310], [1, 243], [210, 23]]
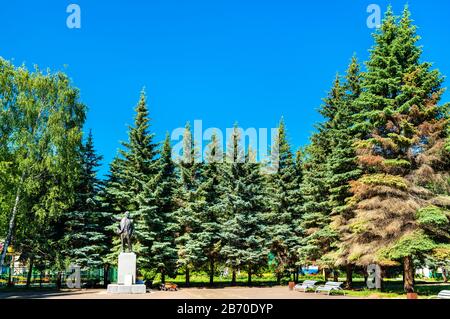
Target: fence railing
[[48, 278]]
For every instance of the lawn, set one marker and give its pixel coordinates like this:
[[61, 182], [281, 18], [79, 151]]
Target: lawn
[[393, 287]]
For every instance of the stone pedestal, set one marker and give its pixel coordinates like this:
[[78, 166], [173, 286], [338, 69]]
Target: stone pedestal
[[126, 289], [127, 266], [126, 277]]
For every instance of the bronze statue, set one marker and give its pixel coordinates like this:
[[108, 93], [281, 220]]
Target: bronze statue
[[125, 231]]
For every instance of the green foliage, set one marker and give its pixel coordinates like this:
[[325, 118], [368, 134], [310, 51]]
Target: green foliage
[[41, 129], [399, 144], [131, 177], [315, 209], [397, 163], [85, 239], [433, 216], [285, 200], [442, 252], [156, 226], [380, 157], [205, 239], [385, 180], [358, 226], [189, 171], [331, 165], [410, 244], [243, 229]]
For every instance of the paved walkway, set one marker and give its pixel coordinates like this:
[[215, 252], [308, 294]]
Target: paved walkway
[[183, 293]]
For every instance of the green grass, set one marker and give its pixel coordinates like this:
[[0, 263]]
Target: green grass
[[366, 293], [392, 287], [202, 279]]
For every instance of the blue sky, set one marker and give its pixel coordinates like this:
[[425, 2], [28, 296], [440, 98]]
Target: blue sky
[[219, 61]]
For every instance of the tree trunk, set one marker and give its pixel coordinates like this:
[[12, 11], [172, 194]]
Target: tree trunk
[[188, 278], [335, 275], [349, 276], [444, 274], [106, 275], [211, 272], [233, 278], [249, 275], [12, 221], [163, 277], [58, 280], [10, 283], [408, 270], [325, 274], [403, 278], [30, 272], [278, 278]]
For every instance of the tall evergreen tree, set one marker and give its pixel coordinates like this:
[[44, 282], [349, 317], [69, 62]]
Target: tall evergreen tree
[[157, 210], [244, 222], [112, 205], [398, 211], [318, 237], [285, 207], [84, 238], [139, 153], [342, 165], [205, 241], [187, 196], [130, 172]]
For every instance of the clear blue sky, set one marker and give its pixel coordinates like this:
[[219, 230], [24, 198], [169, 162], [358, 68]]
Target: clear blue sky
[[220, 61]]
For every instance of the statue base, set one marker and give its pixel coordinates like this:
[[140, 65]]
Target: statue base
[[126, 277], [126, 289], [127, 267]]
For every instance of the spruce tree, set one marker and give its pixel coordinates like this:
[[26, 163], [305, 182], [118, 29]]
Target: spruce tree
[[244, 225], [84, 238], [342, 165], [318, 237], [130, 172], [157, 207], [138, 154], [205, 241], [398, 205], [187, 196], [113, 204], [285, 207]]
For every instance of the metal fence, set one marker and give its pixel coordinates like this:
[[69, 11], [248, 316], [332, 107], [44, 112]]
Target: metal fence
[[17, 276]]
